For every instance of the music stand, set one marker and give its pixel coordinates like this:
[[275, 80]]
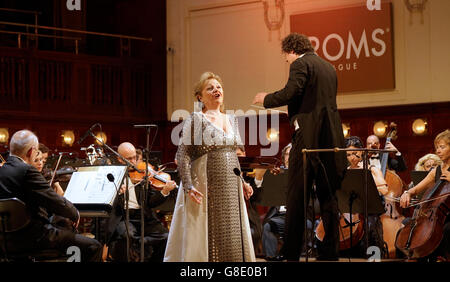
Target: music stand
[[365, 178], [418, 175], [352, 187], [351, 196], [274, 189]]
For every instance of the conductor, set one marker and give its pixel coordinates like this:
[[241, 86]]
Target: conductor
[[310, 94]]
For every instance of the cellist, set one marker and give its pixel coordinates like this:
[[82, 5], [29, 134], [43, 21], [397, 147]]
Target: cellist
[[355, 160], [442, 146]]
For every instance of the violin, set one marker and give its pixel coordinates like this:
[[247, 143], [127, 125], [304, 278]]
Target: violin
[[422, 234], [61, 175], [157, 179]]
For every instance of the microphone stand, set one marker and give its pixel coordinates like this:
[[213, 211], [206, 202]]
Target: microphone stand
[[145, 190], [237, 171], [127, 211]]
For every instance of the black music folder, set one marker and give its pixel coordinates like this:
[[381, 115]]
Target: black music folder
[[417, 176], [90, 190], [274, 189], [353, 184]]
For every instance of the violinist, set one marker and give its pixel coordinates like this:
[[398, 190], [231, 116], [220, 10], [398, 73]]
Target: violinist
[[44, 150], [155, 232], [440, 172], [396, 162], [39, 163]]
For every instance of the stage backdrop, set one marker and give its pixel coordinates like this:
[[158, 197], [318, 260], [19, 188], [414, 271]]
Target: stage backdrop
[[357, 41]]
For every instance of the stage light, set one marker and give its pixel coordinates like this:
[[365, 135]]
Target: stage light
[[420, 126], [4, 135], [102, 136], [346, 129], [273, 135], [68, 137], [380, 128]]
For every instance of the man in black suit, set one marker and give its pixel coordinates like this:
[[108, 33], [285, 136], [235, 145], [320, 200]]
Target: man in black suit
[[155, 232], [396, 162], [310, 94], [18, 178]]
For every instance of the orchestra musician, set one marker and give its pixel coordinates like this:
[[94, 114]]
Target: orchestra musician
[[18, 178], [116, 228], [310, 94], [396, 162], [39, 163], [428, 162], [440, 172], [274, 221], [375, 227], [44, 150]]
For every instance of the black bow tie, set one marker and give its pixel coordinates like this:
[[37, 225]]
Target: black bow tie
[[375, 158]]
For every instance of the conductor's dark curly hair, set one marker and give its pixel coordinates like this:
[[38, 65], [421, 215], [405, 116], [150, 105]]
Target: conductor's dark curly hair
[[297, 43]]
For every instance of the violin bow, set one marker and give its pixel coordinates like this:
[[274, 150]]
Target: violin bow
[[56, 168], [417, 202]]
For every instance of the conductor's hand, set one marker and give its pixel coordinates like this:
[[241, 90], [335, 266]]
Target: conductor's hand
[[196, 196], [259, 98], [248, 190]]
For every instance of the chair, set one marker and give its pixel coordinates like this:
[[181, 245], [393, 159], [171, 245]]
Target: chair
[[14, 217]]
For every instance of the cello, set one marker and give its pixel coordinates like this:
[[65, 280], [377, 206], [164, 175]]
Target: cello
[[422, 234], [356, 234], [392, 218]]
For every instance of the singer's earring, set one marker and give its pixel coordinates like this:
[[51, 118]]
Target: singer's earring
[[198, 106]]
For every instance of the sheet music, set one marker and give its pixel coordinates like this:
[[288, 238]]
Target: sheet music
[[90, 185]]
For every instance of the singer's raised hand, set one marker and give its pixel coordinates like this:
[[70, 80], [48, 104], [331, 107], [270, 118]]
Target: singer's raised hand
[[196, 196]]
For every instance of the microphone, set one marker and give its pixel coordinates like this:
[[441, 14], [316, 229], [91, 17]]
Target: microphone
[[237, 171], [110, 177], [145, 125], [87, 133]]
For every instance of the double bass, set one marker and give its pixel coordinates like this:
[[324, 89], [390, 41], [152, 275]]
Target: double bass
[[393, 217], [422, 234]]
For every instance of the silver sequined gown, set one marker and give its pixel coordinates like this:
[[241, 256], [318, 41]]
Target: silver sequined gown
[[224, 221]]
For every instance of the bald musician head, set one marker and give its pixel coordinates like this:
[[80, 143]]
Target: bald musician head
[[373, 142], [24, 144], [128, 152]]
